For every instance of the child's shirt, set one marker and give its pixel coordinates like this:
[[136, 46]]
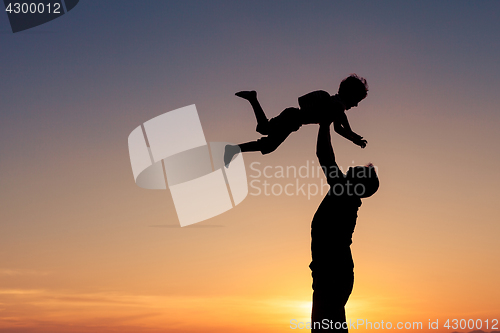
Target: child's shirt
[[318, 106]]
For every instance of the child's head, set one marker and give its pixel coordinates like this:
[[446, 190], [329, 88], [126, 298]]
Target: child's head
[[365, 180], [352, 90]]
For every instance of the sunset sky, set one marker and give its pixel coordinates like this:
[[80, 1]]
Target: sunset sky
[[84, 249]]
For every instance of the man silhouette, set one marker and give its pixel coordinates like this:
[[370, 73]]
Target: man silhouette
[[331, 233]]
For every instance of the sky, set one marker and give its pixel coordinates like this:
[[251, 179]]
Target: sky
[[84, 249]]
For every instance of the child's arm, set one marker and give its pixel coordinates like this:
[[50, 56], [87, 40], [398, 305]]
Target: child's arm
[[342, 127]]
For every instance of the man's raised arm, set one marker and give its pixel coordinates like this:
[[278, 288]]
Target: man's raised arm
[[324, 149], [326, 157]]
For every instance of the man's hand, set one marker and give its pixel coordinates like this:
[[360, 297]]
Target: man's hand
[[360, 142]]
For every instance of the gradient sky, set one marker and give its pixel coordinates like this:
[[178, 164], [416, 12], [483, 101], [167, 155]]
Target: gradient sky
[[83, 249]]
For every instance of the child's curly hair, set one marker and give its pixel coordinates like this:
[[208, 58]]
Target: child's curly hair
[[353, 87]]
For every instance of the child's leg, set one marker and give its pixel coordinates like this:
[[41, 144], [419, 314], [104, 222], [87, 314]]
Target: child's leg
[[231, 150], [265, 145], [250, 146], [262, 120]]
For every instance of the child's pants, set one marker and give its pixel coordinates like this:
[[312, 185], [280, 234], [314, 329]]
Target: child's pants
[[278, 129]]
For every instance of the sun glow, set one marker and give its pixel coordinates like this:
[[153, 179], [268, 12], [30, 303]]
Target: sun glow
[[304, 311]]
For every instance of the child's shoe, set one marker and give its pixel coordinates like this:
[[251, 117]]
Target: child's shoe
[[229, 152]]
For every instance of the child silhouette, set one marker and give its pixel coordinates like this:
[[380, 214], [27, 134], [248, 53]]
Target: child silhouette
[[315, 107]]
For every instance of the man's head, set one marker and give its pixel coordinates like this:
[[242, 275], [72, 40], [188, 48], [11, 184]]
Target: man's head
[[352, 90], [364, 179]]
